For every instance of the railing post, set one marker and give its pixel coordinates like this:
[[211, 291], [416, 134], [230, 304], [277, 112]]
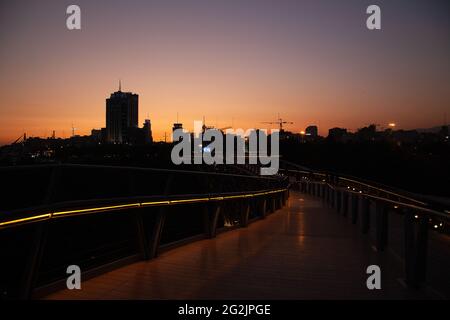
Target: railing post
[[279, 201], [272, 204], [245, 212], [365, 215], [355, 206], [160, 218], [263, 207], [212, 216], [328, 200], [344, 203], [142, 238], [323, 192], [40, 238], [285, 197], [332, 196], [382, 226], [338, 201], [34, 262], [416, 243], [157, 232]]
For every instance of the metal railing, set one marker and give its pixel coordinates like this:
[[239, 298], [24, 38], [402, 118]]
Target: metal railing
[[395, 221], [38, 242]]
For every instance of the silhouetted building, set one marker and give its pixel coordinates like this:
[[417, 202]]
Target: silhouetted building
[[368, 133], [121, 116], [96, 135], [337, 134], [312, 131], [177, 126]]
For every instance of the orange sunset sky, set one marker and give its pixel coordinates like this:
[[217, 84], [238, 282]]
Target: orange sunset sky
[[240, 62]]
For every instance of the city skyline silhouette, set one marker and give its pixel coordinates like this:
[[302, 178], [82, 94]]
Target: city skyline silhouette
[[235, 63]]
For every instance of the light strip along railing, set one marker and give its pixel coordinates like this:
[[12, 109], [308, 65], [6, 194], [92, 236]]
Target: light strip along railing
[[362, 186], [177, 201], [349, 195], [364, 189]]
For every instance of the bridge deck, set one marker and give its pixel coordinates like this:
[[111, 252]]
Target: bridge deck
[[303, 251]]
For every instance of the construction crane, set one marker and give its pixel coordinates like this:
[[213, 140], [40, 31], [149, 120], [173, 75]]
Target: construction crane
[[280, 123], [205, 127], [21, 139]]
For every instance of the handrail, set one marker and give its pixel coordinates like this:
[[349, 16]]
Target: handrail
[[361, 183], [162, 170], [371, 184], [419, 205], [145, 202]]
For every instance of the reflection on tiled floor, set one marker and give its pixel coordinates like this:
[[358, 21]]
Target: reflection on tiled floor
[[304, 251]]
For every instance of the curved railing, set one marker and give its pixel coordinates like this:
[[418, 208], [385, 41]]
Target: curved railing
[[395, 221], [133, 214]]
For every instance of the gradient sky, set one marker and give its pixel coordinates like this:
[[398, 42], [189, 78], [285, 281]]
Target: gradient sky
[[233, 61]]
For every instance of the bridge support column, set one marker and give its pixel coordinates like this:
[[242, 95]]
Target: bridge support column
[[365, 215], [355, 206], [382, 226], [416, 245]]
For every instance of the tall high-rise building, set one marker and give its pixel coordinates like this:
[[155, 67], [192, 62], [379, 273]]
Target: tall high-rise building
[[121, 116]]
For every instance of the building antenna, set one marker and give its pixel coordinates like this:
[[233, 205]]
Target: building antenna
[[177, 117], [120, 85]]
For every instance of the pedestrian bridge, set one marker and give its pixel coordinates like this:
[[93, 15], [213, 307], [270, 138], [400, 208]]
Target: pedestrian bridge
[[302, 251], [302, 235]]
